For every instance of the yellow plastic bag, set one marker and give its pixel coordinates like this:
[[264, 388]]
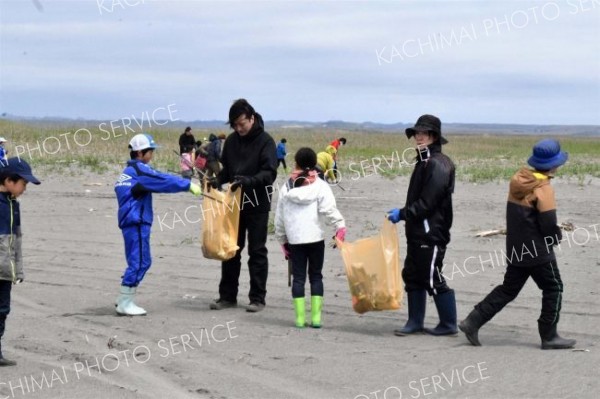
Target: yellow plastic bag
[[221, 213], [372, 267]]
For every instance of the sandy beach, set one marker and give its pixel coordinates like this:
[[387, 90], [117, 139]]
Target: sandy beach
[[69, 343]]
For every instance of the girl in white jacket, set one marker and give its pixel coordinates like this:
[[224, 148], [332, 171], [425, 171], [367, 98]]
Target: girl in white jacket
[[303, 201]]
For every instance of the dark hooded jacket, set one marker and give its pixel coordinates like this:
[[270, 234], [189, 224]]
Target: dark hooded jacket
[[253, 156], [428, 209], [213, 149], [531, 228]]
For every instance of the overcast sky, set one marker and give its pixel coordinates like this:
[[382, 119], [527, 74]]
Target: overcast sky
[[381, 61]]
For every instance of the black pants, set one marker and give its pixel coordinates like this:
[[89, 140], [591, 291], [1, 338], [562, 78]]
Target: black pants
[[312, 256], [281, 161], [258, 264], [5, 287], [422, 268], [547, 278]]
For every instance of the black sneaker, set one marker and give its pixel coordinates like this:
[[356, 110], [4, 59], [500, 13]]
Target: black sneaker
[[255, 307], [5, 362], [219, 304]]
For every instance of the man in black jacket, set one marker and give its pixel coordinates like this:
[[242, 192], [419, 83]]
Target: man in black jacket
[[186, 141], [249, 162], [428, 217]]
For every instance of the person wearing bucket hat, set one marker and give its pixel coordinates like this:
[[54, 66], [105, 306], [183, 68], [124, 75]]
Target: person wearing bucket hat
[[134, 190], [15, 173], [428, 217], [531, 233], [430, 124]]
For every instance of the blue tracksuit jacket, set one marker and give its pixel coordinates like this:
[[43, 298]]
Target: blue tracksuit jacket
[[281, 152], [134, 192]]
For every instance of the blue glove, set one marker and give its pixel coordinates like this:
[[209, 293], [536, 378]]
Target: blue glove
[[395, 215]]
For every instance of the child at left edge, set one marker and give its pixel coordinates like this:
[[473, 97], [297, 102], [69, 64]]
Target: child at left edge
[[15, 173], [134, 190]]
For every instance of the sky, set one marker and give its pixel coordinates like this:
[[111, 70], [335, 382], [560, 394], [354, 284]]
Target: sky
[[525, 62]]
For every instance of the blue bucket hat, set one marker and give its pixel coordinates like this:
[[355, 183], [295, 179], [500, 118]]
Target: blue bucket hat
[[18, 166], [547, 155]]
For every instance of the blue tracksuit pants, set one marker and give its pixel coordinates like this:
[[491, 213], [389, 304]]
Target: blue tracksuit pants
[[137, 253]]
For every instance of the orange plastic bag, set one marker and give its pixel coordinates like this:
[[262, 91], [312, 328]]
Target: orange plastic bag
[[373, 270], [221, 213]]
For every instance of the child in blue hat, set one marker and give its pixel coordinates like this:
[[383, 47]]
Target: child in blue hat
[[15, 173], [531, 233]]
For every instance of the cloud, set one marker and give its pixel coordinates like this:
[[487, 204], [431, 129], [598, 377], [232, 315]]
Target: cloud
[[304, 60]]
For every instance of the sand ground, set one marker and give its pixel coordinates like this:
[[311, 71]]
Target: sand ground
[[69, 343]]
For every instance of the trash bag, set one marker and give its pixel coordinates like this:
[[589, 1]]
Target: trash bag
[[373, 270], [221, 214]]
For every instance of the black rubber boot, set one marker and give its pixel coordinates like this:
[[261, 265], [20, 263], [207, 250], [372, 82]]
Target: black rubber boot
[[417, 300], [471, 325], [446, 307], [551, 339]]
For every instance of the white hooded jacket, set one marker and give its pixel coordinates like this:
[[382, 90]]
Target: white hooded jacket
[[300, 209]]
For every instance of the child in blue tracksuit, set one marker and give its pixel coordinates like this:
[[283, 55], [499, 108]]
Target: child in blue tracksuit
[[15, 173], [281, 153], [134, 192]]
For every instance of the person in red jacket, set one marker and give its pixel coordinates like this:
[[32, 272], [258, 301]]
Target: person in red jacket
[[531, 233], [336, 144]]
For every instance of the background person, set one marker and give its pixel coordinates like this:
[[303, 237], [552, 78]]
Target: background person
[[3, 151], [249, 162], [186, 162], [302, 201], [213, 154], [337, 143], [15, 173], [134, 194], [281, 153], [186, 140], [325, 164], [530, 223], [428, 217]]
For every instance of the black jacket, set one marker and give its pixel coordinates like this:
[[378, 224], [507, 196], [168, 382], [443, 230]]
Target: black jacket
[[253, 156], [428, 209], [531, 227], [186, 141]]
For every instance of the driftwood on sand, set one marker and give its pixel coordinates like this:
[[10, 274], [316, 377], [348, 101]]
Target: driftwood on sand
[[566, 226]]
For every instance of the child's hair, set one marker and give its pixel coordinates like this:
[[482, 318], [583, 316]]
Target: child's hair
[[133, 154], [305, 159], [343, 140], [283, 141], [10, 176]]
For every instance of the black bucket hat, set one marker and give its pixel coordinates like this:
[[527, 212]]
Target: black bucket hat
[[427, 123]]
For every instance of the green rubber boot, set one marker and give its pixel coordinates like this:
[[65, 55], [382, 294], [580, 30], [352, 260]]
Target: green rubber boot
[[299, 307], [316, 304]]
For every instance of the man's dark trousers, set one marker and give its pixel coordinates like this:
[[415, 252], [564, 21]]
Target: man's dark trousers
[[255, 224]]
